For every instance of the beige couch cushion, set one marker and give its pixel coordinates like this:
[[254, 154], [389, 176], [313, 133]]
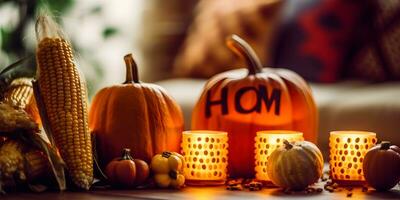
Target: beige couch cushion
[[347, 105]]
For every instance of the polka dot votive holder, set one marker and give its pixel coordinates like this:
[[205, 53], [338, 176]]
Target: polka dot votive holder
[[346, 154], [265, 143], [206, 157]]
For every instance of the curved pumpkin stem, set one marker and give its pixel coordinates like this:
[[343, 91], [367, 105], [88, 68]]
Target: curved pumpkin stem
[[126, 154], [132, 75], [288, 146], [385, 145], [244, 51], [166, 154]]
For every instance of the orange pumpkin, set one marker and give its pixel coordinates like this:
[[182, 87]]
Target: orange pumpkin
[[126, 171], [245, 101], [135, 115]]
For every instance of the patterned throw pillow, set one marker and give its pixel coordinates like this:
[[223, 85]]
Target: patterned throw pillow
[[204, 52], [316, 37]]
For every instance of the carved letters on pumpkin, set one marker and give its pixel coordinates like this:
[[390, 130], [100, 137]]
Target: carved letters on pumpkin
[[223, 102], [262, 96]]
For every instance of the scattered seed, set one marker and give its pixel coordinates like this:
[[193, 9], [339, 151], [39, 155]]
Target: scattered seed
[[235, 181], [235, 188], [349, 194], [329, 188], [255, 184], [254, 188]]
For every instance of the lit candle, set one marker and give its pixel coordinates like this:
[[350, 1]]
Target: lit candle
[[206, 157], [265, 143], [346, 152]]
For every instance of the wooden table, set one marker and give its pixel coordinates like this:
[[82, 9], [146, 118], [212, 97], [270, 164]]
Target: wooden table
[[203, 193]]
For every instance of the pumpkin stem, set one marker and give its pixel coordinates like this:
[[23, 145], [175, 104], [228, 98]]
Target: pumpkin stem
[[288, 146], [385, 145], [132, 75], [166, 154], [126, 154], [244, 51]]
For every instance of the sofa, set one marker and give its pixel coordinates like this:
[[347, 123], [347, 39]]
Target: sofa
[[346, 105]]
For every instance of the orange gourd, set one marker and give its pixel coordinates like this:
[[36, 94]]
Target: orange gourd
[[245, 101], [126, 171], [135, 115]]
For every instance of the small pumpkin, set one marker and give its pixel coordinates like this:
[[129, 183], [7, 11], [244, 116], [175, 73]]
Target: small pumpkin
[[381, 166], [244, 101], [168, 170], [135, 115], [295, 165], [126, 171]]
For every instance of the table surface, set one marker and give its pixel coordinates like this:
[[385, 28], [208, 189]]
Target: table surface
[[204, 193]]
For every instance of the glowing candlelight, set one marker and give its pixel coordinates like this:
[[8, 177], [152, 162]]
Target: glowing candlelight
[[206, 157], [347, 151]]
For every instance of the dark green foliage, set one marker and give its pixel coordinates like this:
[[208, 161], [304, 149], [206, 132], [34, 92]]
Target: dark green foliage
[[109, 31]]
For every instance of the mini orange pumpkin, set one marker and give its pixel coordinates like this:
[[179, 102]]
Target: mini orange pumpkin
[[135, 115], [244, 101], [126, 171], [381, 166]]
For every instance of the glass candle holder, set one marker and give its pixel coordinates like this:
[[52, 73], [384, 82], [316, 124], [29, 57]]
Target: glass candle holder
[[206, 157], [346, 154], [265, 143]]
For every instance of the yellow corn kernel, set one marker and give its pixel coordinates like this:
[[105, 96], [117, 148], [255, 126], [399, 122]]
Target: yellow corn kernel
[[65, 100]]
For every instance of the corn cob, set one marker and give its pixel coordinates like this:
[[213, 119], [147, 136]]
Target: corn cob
[[19, 160], [20, 94], [11, 160], [65, 101], [14, 120]]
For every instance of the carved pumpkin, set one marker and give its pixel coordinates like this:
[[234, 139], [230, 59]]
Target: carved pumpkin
[[381, 166], [244, 101], [295, 166], [135, 115]]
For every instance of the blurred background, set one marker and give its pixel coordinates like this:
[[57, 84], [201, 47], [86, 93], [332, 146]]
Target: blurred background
[[348, 50], [322, 40], [101, 32]]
